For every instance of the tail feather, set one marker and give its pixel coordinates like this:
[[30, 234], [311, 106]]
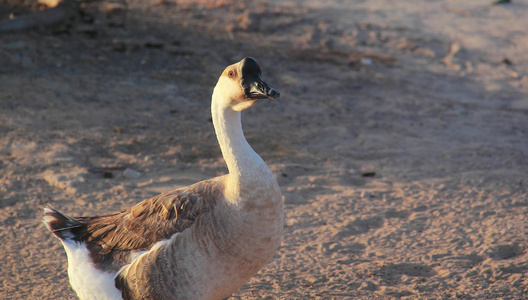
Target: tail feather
[[60, 225]]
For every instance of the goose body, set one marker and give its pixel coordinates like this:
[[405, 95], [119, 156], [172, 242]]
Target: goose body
[[203, 241]]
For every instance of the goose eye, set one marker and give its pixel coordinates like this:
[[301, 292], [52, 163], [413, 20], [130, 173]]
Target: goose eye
[[231, 74]]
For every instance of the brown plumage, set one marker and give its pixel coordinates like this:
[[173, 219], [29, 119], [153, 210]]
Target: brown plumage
[[112, 238]]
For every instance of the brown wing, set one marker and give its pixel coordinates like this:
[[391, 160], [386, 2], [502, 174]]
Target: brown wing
[[112, 238]]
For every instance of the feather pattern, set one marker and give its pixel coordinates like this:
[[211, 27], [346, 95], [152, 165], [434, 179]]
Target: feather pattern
[[112, 238]]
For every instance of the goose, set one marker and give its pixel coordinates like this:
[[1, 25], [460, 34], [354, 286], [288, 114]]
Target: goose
[[203, 241]]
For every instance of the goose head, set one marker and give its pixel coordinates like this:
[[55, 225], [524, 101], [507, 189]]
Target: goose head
[[241, 85]]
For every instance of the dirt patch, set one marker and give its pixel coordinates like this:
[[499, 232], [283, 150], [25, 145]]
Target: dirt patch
[[431, 99]]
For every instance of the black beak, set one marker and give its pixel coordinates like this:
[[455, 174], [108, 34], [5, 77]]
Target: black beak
[[252, 83]]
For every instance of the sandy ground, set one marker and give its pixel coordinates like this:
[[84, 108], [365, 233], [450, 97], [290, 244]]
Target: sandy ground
[[400, 140]]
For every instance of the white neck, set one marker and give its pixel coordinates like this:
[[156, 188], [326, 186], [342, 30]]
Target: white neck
[[244, 164]]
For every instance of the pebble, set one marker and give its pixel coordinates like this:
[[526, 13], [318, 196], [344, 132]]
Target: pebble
[[291, 221], [366, 61], [131, 173]]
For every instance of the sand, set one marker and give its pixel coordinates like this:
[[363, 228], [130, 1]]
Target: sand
[[400, 140]]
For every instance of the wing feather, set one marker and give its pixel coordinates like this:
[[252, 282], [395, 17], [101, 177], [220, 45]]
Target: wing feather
[[112, 238]]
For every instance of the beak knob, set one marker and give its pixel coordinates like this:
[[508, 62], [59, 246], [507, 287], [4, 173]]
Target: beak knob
[[252, 83]]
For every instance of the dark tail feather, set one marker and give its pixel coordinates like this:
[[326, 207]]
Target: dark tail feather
[[60, 225]]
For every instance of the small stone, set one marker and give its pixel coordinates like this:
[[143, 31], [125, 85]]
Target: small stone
[[366, 61], [291, 221], [131, 173], [365, 194], [368, 174]]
